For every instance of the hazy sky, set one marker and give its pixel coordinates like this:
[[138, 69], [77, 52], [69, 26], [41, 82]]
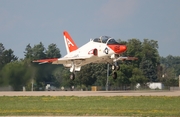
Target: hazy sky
[[24, 22]]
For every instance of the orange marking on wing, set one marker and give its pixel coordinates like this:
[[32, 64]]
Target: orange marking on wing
[[46, 60]]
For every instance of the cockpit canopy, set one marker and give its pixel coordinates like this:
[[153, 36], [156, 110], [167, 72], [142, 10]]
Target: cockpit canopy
[[106, 40]]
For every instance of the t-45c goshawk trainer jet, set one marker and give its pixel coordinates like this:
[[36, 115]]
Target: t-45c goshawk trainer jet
[[99, 50]]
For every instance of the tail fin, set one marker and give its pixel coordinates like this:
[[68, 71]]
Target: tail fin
[[70, 45]]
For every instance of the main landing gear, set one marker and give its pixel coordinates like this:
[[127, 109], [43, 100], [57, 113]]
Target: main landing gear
[[115, 67], [72, 76]]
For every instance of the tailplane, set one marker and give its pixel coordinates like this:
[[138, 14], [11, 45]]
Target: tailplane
[[70, 45]]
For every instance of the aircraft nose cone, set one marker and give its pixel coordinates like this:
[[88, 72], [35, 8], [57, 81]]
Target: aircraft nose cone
[[123, 48], [120, 49]]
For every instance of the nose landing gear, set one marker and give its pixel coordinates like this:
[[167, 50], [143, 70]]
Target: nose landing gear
[[115, 67], [114, 75]]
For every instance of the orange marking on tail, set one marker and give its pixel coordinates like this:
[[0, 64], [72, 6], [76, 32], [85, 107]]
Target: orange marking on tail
[[69, 41]]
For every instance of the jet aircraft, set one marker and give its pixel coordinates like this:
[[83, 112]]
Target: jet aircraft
[[104, 49]]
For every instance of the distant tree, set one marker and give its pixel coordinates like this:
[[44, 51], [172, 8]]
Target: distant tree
[[149, 70], [1, 55], [53, 51], [100, 74], [61, 75], [8, 56], [42, 74], [134, 49], [86, 75], [150, 52], [28, 52], [16, 74], [1, 49], [126, 73], [172, 61], [138, 77], [169, 77], [170, 68], [150, 59], [39, 51]]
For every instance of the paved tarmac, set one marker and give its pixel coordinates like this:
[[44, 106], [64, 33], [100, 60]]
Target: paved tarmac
[[90, 93]]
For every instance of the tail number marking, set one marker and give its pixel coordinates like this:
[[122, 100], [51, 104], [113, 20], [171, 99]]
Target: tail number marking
[[69, 42]]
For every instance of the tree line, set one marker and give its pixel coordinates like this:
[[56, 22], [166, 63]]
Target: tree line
[[150, 67]]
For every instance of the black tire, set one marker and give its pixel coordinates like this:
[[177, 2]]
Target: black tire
[[117, 67], [114, 75], [72, 76]]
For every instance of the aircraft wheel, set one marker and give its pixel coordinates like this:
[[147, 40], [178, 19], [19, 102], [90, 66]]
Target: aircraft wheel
[[114, 75], [72, 76], [118, 67], [113, 67]]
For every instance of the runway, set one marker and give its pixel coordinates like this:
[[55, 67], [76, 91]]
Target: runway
[[87, 93], [90, 93]]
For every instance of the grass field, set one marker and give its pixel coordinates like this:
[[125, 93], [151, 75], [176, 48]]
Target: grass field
[[90, 106]]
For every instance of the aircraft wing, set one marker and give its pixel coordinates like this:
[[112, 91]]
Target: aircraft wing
[[60, 60], [42, 61], [65, 60]]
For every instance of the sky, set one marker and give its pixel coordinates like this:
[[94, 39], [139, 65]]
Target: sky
[[24, 22]]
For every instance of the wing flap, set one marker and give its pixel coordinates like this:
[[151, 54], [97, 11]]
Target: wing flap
[[65, 60], [60, 60]]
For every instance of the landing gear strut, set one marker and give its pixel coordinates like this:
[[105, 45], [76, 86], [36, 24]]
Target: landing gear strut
[[115, 67], [72, 69]]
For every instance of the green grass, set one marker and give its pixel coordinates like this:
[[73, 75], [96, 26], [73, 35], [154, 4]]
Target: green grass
[[107, 106]]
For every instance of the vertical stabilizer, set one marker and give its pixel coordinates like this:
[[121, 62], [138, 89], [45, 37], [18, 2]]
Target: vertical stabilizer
[[70, 45]]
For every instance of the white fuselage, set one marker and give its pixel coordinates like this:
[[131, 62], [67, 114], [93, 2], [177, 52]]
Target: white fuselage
[[103, 51]]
